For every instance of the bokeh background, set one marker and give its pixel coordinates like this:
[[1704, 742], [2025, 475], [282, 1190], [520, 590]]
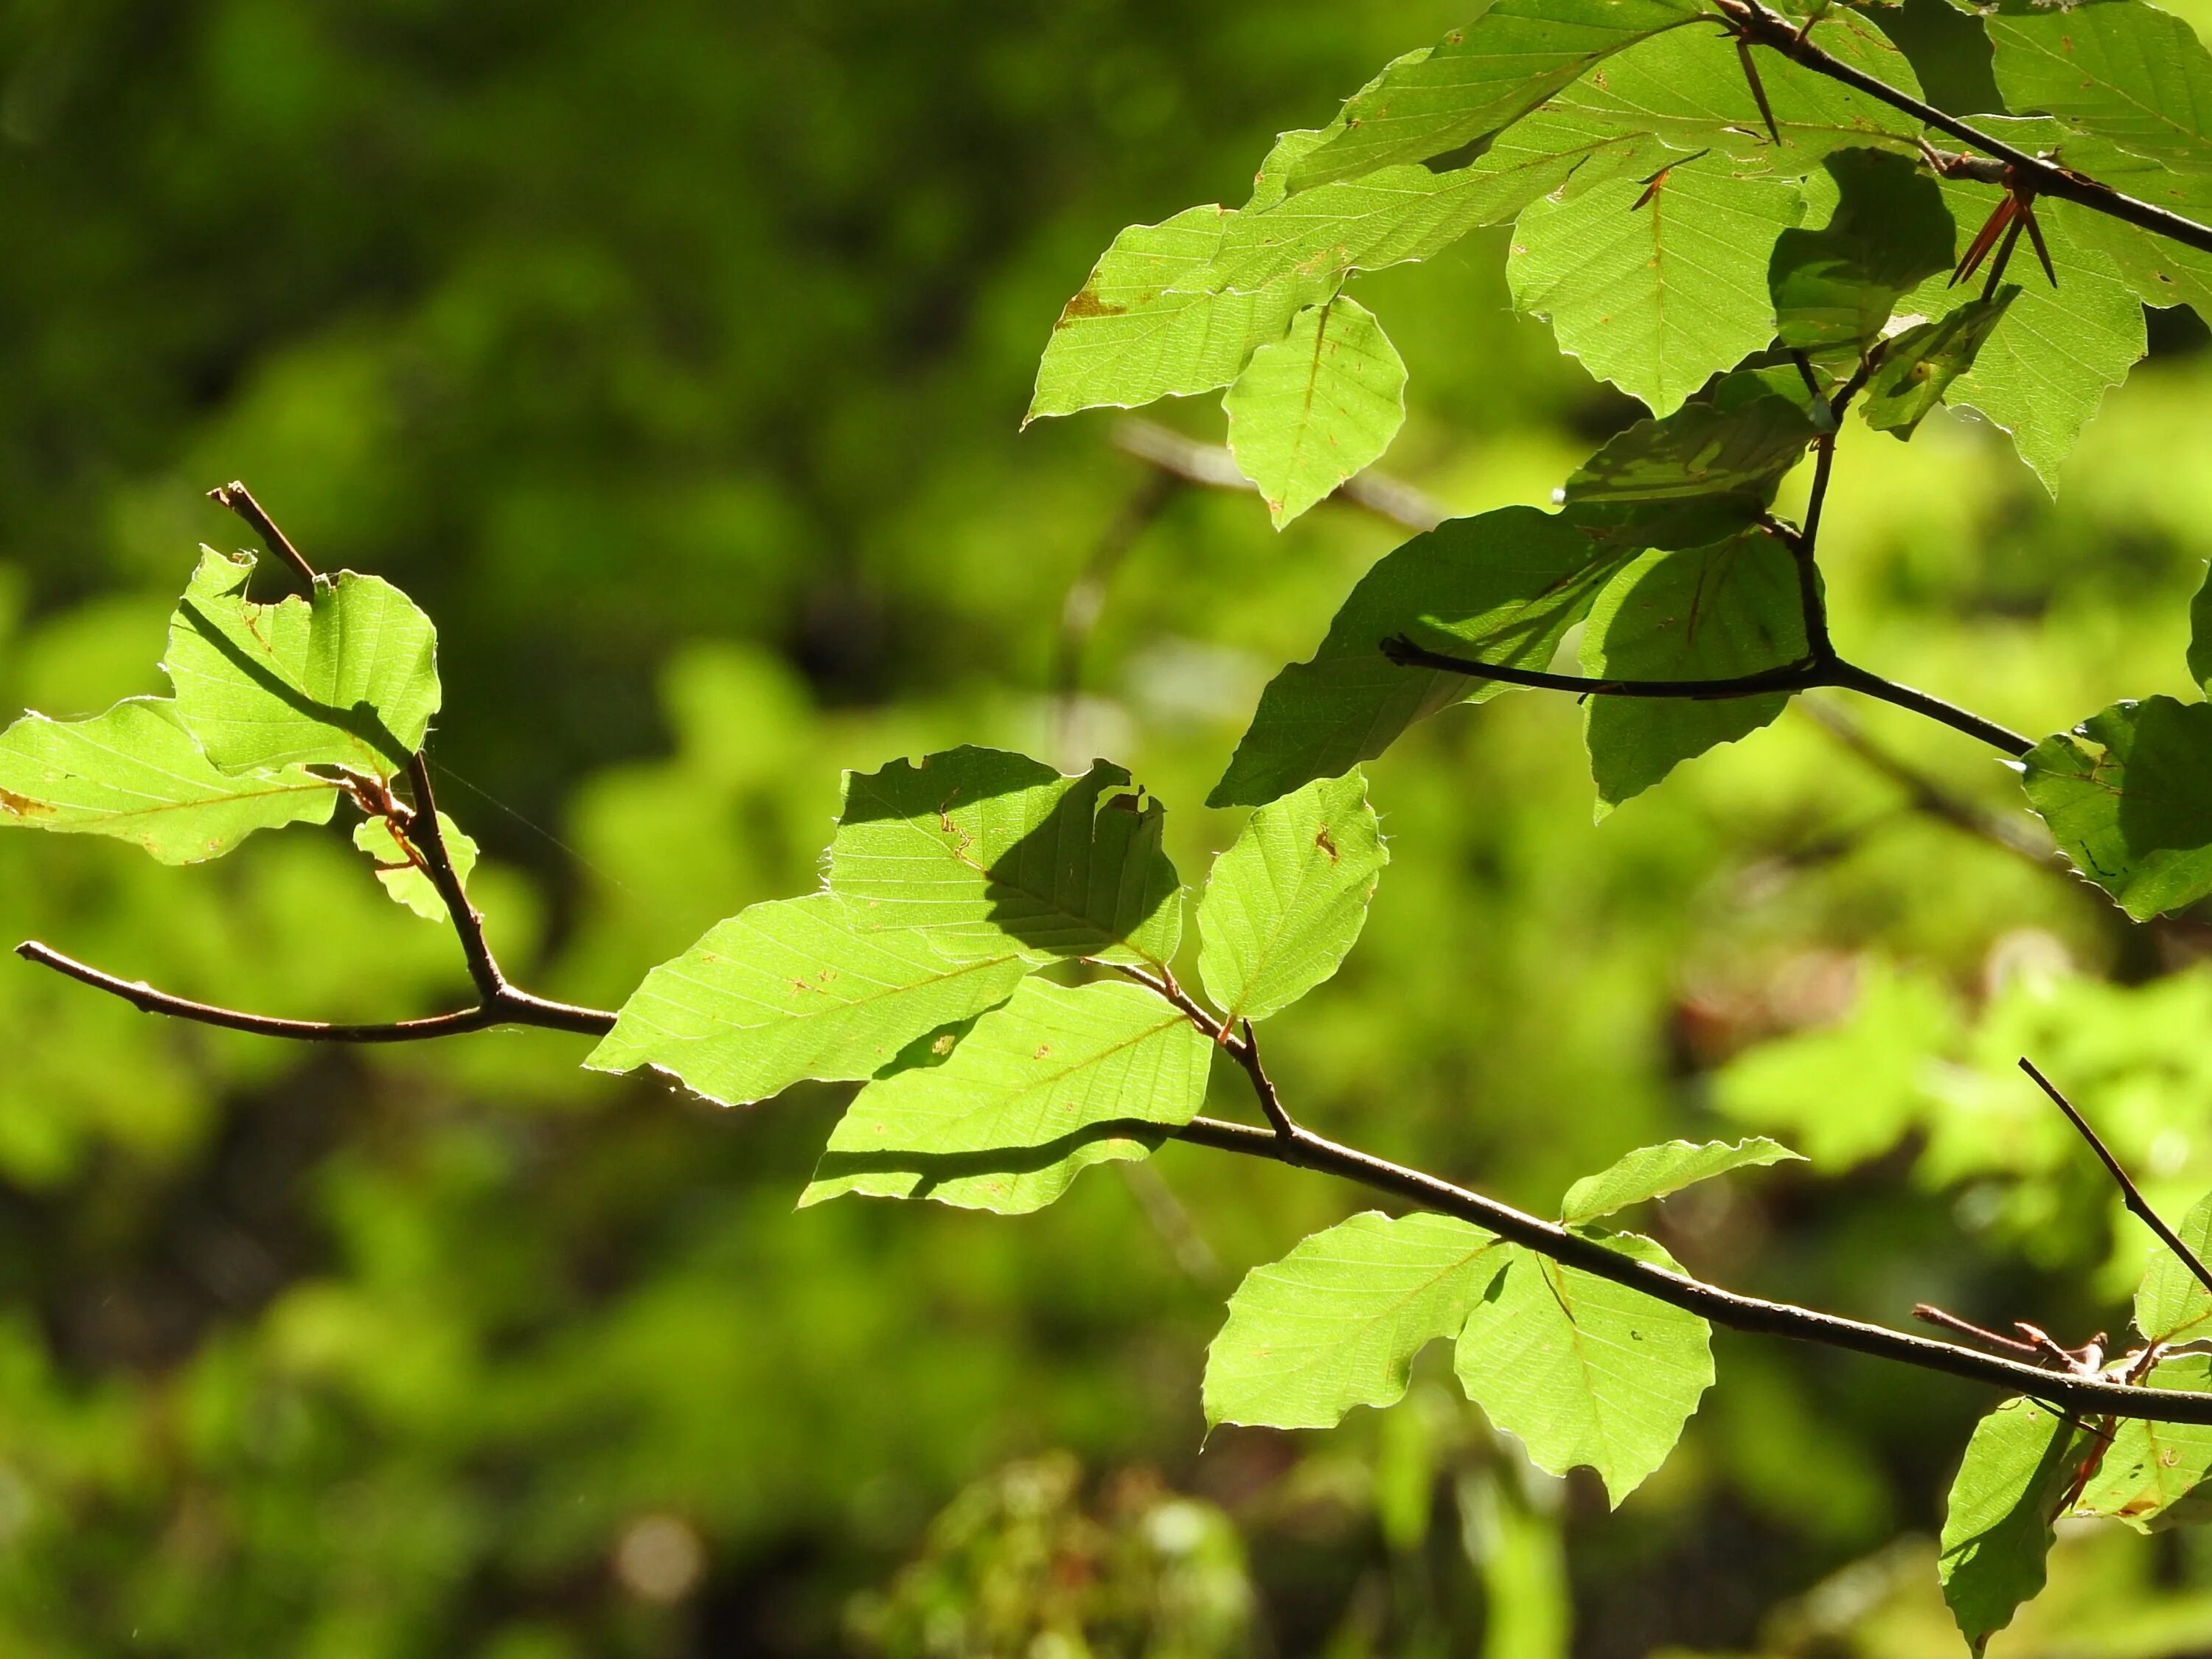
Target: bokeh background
[[673, 354]]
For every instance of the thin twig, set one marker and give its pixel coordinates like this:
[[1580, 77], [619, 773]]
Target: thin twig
[[2129, 1194], [1928, 1314], [239, 500], [1085, 599], [1756, 22], [429, 837], [1214, 467]]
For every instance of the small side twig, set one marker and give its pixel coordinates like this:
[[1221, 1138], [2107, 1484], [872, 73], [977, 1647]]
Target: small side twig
[[2129, 1194], [239, 500], [1928, 1314]]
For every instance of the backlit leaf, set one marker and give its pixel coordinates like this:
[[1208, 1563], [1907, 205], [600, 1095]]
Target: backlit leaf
[[407, 881], [1316, 406], [1284, 904], [1503, 587], [1997, 1525], [1654, 1171], [135, 773], [793, 988], [2171, 1304], [1057, 1080], [1919, 364], [1145, 326], [1582, 1371], [2128, 795], [1478, 80], [2149, 1467], [980, 850], [1836, 285], [1656, 285], [351, 679], [1336, 1324], [1705, 613], [2122, 70], [1698, 476]]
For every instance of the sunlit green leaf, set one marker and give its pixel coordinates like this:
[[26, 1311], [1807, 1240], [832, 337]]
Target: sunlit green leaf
[[2200, 634], [1284, 904], [1687, 88], [1584, 1370], [2171, 1304], [2045, 368], [2149, 1467], [2123, 71], [1316, 406], [1336, 1322], [1697, 476], [1145, 326], [1654, 1171], [1478, 80], [978, 849], [351, 679], [1057, 1080], [403, 876], [1502, 587], [792, 989], [1919, 364], [2128, 795], [1836, 285], [1706, 613], [1656, 285], [135, 773], [1997, 1525]]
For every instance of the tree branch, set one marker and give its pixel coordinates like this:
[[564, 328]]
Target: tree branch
[[239, 500], [1752, 21], [2130, 1195]]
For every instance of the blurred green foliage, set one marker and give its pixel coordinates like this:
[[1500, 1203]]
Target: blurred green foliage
[[671, 356]]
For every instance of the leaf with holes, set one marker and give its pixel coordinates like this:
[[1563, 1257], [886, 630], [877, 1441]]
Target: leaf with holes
[[1706, 613], [1283, 906], [135, 773], [1654, 1171], [2149, 1468], [2128, 795], [792, 990], [1316, 406], [347, 679], [980, 851], [1996, 1524], [1056, 1081], [1582, 1371], [1656, 285], [1336, 1322], [1503, 587]]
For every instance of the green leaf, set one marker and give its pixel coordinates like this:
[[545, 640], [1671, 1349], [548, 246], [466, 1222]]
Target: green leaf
[[1284, 904], [1336, 1324], [978, 849], [1316, 406], [1686, 89], [1706, 613], [1145, 326], [2149, 1468], [1997, 1525], [350, 679], [792, 990], [2125, 72], [2157, 271], [1411, 212], [2172, 1305], [134, 772], [405, 879], [1478, 80], [1057, 1080], [1698, 475], [1837, 286], [2200, 634], [1503, 587], [1584, 1370], [2047, 364], [2128, 795], [1656, 285], [1654, 1171], [1919, 364]]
